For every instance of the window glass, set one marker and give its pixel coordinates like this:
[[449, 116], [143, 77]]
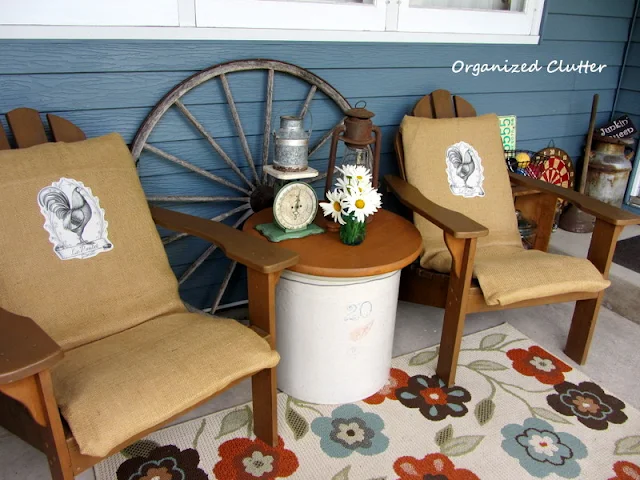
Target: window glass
[[512, 5]]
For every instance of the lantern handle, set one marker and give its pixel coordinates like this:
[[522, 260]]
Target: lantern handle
[[359, 102], [310, 123]]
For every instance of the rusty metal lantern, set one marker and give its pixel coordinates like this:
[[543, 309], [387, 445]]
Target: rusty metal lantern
[[358, 134]]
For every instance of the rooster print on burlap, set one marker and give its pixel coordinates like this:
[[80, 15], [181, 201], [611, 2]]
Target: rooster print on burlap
[[464, 170], [73, 217]]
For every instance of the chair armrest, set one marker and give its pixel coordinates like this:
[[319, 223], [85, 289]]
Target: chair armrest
[[452, 222], [601, 210], [25, 349], [250, 251]]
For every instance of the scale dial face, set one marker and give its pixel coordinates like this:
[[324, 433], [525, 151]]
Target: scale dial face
[[295, 206]]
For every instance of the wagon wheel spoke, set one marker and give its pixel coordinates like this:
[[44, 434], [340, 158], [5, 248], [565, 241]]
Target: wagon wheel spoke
[[196, 264], [307, 101], [238, 124], [325, 138], [207, 253], [267, 123], [194, 199], [212, 142], [193, 309], [219, 218], [223, 286], [193, 168]]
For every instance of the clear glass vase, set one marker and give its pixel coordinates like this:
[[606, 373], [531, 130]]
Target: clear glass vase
[[353, 231]]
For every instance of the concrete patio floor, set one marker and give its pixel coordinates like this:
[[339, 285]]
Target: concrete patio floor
[[613, 359]]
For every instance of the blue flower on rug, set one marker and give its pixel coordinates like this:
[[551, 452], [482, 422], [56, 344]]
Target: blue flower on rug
[[541, 450], [348, 430]]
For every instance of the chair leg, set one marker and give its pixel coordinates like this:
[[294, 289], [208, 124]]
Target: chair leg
[[462, 252], [585, 315], [55, 444], [46, 433], [583, 325], [265, 405]]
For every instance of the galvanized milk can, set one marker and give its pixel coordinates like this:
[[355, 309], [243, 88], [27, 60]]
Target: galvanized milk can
[[609, 170], [291, 145]]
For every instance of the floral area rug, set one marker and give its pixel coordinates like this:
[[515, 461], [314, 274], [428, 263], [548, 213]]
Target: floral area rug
[[517, 412]]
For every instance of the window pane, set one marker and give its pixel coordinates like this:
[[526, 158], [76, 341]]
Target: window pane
[[513, 5]]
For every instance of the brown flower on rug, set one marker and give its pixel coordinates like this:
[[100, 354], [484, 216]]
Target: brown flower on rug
[[163, 463], [538, 363], [626, 471], [435, 400], [245, 459], [588, 403], [432, 467], [397, 379]]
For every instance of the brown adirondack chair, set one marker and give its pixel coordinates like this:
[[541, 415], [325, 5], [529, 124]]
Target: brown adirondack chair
[[28, 355], [458, 292]]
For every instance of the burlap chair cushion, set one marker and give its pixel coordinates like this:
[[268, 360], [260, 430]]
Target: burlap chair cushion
[[507, 275], [79, 300], [114, 388], [482, 192], [425, 143]]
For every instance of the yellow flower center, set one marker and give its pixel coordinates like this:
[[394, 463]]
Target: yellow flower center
[[359, 177], [337, 207], [360, 203]]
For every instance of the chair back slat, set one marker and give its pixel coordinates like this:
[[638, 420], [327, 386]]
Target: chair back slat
[[4, 142], [439, 104], [463, 108], [26, 126], [442, 104], [28, 130], [63, 130], [423, 108]]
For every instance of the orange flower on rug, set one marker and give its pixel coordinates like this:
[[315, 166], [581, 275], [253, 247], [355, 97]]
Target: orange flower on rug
[[516, 412]]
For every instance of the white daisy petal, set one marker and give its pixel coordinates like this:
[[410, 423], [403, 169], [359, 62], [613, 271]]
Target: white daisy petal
[[335, 206]]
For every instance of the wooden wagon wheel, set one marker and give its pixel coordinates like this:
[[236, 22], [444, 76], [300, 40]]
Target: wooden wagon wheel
[[250, 193]]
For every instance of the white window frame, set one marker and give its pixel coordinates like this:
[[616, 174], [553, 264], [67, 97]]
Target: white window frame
[[469, 21], [90, 12], [291, 15], [286, 21]]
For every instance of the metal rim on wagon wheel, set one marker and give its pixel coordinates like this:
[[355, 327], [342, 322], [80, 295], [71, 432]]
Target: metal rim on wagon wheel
[[250, 193]]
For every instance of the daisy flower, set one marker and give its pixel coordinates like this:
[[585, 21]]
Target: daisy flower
[[335, 206], [363, 187], [361, 205], [348, 171], [361, 174], [345, 184]]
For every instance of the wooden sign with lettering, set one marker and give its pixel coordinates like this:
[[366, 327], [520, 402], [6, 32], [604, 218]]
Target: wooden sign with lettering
[[620, 128]]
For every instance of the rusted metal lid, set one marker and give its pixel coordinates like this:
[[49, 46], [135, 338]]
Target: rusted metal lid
[[360, 112]]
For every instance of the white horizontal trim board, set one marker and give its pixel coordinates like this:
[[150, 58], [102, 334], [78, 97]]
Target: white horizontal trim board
[[90, 12], [257, 34]]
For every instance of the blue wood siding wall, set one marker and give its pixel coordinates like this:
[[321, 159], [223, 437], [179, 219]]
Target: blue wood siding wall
[[106, 86]]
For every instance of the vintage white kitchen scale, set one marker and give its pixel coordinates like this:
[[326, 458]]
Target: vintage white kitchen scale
[[295, 202]]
